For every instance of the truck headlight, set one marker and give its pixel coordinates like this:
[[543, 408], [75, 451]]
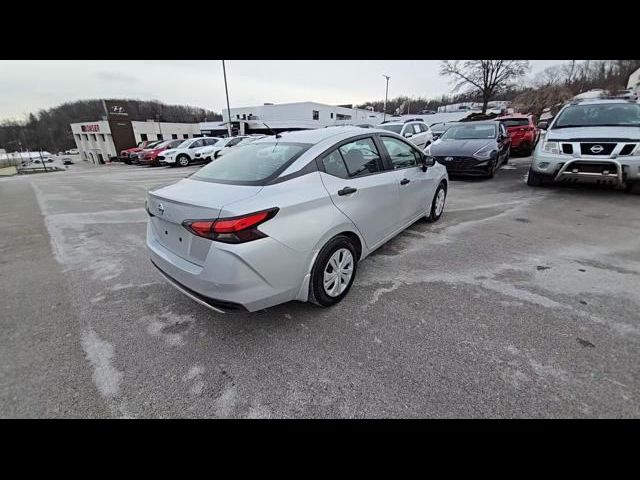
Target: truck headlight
[[636, 151], [550, 147]]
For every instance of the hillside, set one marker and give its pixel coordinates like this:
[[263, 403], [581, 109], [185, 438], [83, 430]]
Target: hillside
[[49, 129]]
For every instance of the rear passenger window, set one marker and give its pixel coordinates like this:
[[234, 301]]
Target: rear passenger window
[[334, 165], [361, 157]]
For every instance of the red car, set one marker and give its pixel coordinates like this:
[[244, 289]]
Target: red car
[[522, 130], [126, 153], [151, 154]]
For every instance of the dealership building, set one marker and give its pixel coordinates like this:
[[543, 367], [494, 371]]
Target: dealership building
[[102, 140], [97, 142], [289, 116]]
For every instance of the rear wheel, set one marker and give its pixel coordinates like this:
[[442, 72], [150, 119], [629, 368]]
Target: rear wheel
[[437, 204], [183, 160], [333, 272]]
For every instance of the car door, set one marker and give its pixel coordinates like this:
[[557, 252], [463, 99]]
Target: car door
[[360, 187], [416, 186], [192, 147]]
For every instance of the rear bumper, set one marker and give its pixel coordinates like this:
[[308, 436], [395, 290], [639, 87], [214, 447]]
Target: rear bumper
[[211, 303], [249, 276]]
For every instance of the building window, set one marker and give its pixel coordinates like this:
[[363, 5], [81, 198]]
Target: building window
[[316, 115], [102, 137], [93, 137], [331, 114], [185, 135], [143, 137], [78, 137], [174, 136], [86, 137], [160, 137]]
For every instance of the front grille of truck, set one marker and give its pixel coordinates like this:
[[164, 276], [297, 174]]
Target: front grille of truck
[[607, 148]]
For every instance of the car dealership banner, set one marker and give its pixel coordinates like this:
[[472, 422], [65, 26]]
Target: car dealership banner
[[117, 112]]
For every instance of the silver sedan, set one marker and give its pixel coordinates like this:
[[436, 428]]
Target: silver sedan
[[288, 217]]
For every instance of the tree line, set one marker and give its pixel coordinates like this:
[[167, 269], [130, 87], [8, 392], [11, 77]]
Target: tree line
[[485, 80], [49, 129]]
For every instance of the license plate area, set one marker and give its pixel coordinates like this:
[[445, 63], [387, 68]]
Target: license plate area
[[173, 237]]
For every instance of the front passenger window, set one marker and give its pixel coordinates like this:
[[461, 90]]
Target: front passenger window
[[401, 154], [361, 157]]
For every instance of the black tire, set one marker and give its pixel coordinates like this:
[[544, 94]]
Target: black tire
[[492, 169], [632, 187], [433, 216], [182, 158], [535, 179], [317, 293]]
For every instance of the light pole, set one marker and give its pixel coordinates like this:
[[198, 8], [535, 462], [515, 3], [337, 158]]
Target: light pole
[[384, 110], [226, 91]]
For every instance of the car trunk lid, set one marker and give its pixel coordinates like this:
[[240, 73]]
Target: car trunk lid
[[190, 200]]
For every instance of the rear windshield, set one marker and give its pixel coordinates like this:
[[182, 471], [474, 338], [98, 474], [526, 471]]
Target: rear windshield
[[252, 164], [392, 128], [599, 115], [515, 122]]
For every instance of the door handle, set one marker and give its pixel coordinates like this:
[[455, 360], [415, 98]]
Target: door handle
[[347, 191], [404, 181]]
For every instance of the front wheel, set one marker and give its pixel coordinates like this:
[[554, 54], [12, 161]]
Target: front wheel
[[333, 272], [437, 204], [535, 179]]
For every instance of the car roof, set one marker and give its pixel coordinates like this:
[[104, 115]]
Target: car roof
[[513, 115], [314, 136], [594, 101]]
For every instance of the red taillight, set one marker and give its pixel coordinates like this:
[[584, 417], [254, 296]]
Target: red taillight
[[231, 230], [237, 224]]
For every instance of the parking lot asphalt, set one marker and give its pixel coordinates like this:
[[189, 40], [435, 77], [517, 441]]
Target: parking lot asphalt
[[520, 302]]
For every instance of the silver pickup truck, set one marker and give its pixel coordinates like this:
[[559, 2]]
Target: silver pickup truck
[[596, 140]]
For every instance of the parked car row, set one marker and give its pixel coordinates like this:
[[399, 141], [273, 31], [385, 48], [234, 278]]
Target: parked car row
[[182, 152]]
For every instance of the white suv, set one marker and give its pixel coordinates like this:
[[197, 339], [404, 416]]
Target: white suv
[[184, 153], [416, 131], [590, 141]]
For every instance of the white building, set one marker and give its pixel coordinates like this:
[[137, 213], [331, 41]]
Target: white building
[[96, 143], [290, 116]]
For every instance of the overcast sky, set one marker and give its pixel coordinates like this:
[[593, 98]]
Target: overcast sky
[[28, 86]]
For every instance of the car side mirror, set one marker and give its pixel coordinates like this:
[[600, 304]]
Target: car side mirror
[[427, 162], [408, 134], [543, 125]]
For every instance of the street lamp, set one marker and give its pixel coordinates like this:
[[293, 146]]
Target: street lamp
[[226, 91], [384, 113]]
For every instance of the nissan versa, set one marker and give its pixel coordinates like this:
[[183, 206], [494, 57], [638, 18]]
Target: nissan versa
[[288, 217]]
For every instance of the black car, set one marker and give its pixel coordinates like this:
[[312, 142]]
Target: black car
[[472, 148], [437, 129]]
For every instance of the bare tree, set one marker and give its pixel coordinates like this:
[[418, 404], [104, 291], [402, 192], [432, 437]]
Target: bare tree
[[487, 77]]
